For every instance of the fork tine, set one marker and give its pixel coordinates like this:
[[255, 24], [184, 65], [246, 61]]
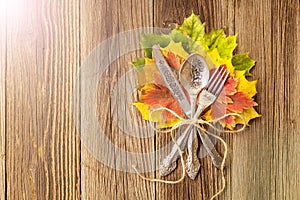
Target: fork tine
[[222, 84], [216, 79], [220, 78], [213, 79]]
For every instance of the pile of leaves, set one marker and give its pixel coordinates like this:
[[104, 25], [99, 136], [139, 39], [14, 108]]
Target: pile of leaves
[[217, 49]]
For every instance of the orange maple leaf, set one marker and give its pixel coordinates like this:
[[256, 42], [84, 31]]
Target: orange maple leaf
[[230, 101], [158, 95], [240, 102], [173, 60]]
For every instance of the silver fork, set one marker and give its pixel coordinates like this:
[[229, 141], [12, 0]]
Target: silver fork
[[207, 97], [213, 89]]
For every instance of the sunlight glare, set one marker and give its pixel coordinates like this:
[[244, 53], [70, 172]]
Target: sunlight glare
[[11, 8]]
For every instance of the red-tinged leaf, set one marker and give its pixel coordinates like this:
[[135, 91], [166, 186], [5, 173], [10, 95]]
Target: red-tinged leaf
[[173, 105], [158, 79], [229, 120], [230, 86], [240, 102], [218, 110], [222, 97], [173, 61], [154, 95], [228, 100]]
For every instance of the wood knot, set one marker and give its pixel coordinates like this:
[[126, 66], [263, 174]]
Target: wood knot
[[2, 156], [170, 24]]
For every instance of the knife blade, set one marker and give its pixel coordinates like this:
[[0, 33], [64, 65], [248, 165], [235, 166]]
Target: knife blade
[[171, 81]]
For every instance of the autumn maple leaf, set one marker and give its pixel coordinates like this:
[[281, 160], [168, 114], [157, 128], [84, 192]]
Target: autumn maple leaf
[[154, 95], [173, 60], [231, 100], [152, 87], [218, 49]]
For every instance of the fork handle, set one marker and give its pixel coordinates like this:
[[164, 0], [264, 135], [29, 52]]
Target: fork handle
[[208, 145], [205, 102]]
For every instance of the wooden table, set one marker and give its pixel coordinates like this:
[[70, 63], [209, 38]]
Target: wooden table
[[42, 46]]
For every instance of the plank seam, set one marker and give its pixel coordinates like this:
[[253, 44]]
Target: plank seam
[[5, 108], [78, 117]]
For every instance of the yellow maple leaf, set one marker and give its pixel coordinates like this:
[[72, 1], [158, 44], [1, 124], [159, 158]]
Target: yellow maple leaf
[[145, 110], [245, 86], [248, 114], [176, 48], [207, 115], [217, 60], [148, 73], [168, 124]]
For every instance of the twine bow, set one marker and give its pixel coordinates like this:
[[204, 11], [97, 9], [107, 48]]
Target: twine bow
[[199, 123]]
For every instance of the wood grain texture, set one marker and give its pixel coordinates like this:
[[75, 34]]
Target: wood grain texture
[[101, 21], [2, 103], [273, 149], [42, 54], [43, 45]]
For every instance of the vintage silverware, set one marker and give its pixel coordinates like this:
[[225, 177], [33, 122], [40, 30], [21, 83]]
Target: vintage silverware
[[193, 76], [207, 97], [169, 164]]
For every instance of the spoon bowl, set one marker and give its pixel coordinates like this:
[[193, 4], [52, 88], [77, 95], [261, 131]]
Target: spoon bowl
[[194, 74]]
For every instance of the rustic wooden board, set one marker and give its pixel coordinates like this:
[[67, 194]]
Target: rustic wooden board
[[42, 47], [100, 21], [2, 102], [269, 162], [42, 151]]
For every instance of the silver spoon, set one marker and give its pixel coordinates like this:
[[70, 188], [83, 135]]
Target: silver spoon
[[193, 75]]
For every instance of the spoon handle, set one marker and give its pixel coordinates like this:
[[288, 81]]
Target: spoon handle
[[192, 163]]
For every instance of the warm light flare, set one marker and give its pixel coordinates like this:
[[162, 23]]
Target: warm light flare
[[11, 8]]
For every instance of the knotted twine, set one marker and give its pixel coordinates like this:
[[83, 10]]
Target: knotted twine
[[199, 123]]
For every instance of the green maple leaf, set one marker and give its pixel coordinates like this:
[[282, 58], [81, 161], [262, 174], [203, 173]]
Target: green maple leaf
[[192, 27], [210, 40], [243, 62], [139, 63], [217, 39], [226, 46], [187, 43], [148, 40]]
